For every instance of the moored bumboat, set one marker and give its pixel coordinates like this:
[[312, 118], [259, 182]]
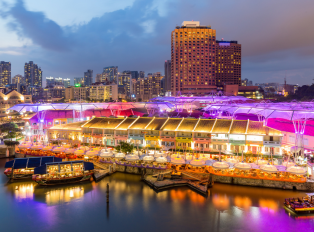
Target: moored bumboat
[[23, 168], [300, 205], [56, 173]]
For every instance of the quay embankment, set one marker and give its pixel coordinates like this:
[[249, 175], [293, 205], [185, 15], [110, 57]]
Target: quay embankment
[[306, 185]]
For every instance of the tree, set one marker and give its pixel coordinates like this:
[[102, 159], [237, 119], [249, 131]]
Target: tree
[[125, 147], [10, 131]]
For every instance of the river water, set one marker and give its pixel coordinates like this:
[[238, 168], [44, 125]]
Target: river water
[[25, 206]]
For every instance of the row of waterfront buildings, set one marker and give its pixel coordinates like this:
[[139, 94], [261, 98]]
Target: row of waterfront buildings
[[203, 135]]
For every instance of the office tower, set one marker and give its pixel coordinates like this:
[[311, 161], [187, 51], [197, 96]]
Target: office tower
[[50, 81], [125, 85], [134, 74], [148, 87], [228, 63], [5, 73], [167, 78], [88, 77], [193, 53], [18, 79], [141, 74], [78, 81], [32, 74], [67, 82], [98, 78], [59, 81], [110, 74]]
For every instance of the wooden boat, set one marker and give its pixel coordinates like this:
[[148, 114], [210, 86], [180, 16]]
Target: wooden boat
[[23, 168], [300, 205], [56, 173]]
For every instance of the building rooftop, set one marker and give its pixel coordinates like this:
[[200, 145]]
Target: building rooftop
[[76, 126], [187, 124], [103, 123], [219, 126], [156, 124], [172, 124], [126, 123]]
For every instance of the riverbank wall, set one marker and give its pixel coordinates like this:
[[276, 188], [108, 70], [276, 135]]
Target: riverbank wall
[[306, 186]]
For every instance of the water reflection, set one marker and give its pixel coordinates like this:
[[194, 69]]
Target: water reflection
[[83, 207], [268, 204], [185, 194], [63, 195], [243, 202], [221, 202], [24, 191]]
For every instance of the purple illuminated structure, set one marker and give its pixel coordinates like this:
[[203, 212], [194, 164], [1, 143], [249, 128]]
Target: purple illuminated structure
[[299, 113]]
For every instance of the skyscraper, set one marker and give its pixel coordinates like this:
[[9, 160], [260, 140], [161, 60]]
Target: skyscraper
[[110, 74], [78, 81], [18, 79], [167, 78], [59, 81], [134, 74], [193, 53], [141, 74], [32, 74], [5, 73], [98, 78], [228, 63], [148, 87], [50, 81], [88, 77], [67, 82], [125, 85]]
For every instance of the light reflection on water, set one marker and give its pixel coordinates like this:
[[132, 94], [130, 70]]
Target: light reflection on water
[[24, 191], [82, 207]]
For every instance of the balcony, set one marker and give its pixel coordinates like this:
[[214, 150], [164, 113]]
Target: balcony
[[272, 143], [237, 142]]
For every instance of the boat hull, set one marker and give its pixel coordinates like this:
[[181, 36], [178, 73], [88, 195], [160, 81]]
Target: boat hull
[[299, 210], [64, 181]]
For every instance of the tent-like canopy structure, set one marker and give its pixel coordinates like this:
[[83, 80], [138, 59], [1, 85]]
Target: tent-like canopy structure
[[165, 106], [297, 170], [297, 112]]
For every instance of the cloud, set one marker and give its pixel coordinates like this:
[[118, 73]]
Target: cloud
[[35, 26], [275, 37]]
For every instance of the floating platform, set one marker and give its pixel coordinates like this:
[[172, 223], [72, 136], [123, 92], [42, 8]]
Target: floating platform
[[199, 186]]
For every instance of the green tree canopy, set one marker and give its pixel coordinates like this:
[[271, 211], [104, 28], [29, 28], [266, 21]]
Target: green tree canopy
[[125, 147], [10, 131]]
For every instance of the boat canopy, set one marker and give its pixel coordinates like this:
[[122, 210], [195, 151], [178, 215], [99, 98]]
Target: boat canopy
[[43, 169], [31, 162]]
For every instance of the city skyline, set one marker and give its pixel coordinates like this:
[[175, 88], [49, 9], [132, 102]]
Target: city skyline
[[268, 53]]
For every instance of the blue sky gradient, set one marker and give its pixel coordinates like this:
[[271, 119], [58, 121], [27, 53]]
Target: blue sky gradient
[[65, 38]]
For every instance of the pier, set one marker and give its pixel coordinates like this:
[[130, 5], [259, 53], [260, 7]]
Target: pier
[[164, 181]]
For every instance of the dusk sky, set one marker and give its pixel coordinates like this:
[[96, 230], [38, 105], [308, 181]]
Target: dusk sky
[[67, 37]]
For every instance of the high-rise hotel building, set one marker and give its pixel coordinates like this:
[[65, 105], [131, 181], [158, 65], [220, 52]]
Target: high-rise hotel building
[[193, 55], [228, 63], [32, 74], [5, 73]]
